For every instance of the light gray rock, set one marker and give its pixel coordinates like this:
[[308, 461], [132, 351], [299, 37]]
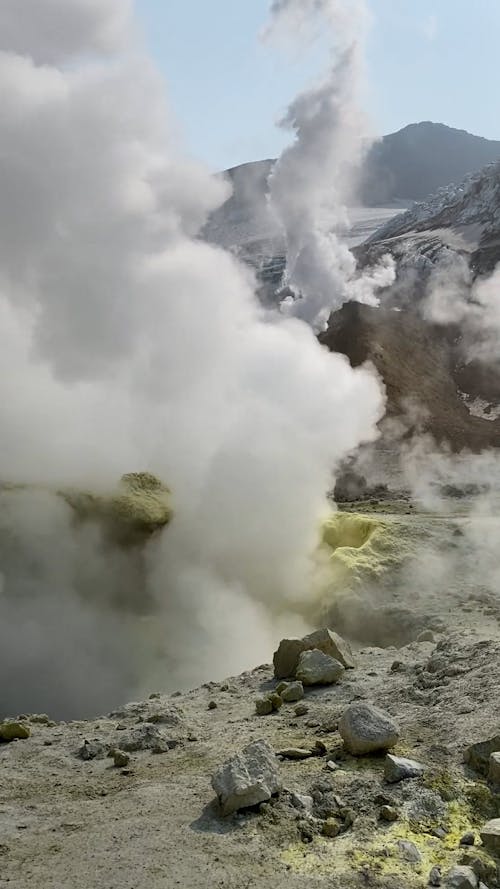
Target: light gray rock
[[317, 668], [296, 752], [477, 755], [302, 801], [286, 658], [249, 778], [409, 851], [397, 768], [365, 729], [461, 878], [426, 636], [490, 835], [331, 643], [494, 768], [145, 737], [294, 691]]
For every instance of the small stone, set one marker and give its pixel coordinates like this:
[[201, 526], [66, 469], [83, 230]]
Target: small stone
[[13, 731], [365, 729], [461, 878], [468, 839], [494, 769], [388, 813], [409, 852], [301, 710], [120, 759], [302, 801], [331, 827], [276, 701], [439, 832], [426, 636], [212, 705], [93, 750], [490, 835], [280, 688], [145, 737], [307, 830], [435, 876], [317, 668], [296, 753], [249, 778], [294, 691], [263, 707], [348, 817], [154, 695], [331, 766], [397, 768], [397, 667]]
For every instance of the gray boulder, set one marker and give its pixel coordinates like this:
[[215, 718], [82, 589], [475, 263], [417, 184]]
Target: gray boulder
[[145, 737], [365, 729], [286, 658], [317, 668], [249, 778], [461, 878], [490, 835], [397, 768]]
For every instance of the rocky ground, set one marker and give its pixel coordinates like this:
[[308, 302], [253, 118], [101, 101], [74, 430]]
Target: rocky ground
[[126, 801]]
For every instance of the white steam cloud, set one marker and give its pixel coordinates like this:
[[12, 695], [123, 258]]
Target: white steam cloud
[[128, 344], [315, 176]]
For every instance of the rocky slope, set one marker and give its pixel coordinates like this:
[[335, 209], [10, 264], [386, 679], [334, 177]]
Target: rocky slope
[[71, 815]]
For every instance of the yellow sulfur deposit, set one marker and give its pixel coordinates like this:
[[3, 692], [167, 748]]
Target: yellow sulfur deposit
[[140, 505], [356, 548]]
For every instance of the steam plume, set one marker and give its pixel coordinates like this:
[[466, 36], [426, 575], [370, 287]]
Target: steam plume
[[126, 343], [315, 176]]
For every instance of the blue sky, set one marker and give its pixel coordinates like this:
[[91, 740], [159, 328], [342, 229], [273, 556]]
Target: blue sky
[[427, 60]]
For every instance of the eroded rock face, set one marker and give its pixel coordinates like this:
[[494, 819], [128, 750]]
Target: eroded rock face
[[249, 778], [490, 835], [365, 729]]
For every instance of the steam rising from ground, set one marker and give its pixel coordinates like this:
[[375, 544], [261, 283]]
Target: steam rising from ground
[[316, 175], [126, 343]]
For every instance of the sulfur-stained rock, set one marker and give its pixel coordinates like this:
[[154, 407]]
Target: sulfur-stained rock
[[249, 778], [460, 878], [13, 731]]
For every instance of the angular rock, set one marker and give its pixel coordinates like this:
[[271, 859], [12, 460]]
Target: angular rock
[[249, 778], [468, 839], [461, 878], [365, 729], [302, 801], [494, 769], [490, 835], [331, 643], [120, 759], [477, 756], [316, 668], [435, 877], [286, 658], [409, 851], [397, 768], [294, 691], [13, 731]]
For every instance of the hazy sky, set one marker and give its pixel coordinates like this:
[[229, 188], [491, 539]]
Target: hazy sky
[[427, 60]]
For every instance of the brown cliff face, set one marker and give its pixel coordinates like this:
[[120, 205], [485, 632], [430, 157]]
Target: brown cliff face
[[421, 363]]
